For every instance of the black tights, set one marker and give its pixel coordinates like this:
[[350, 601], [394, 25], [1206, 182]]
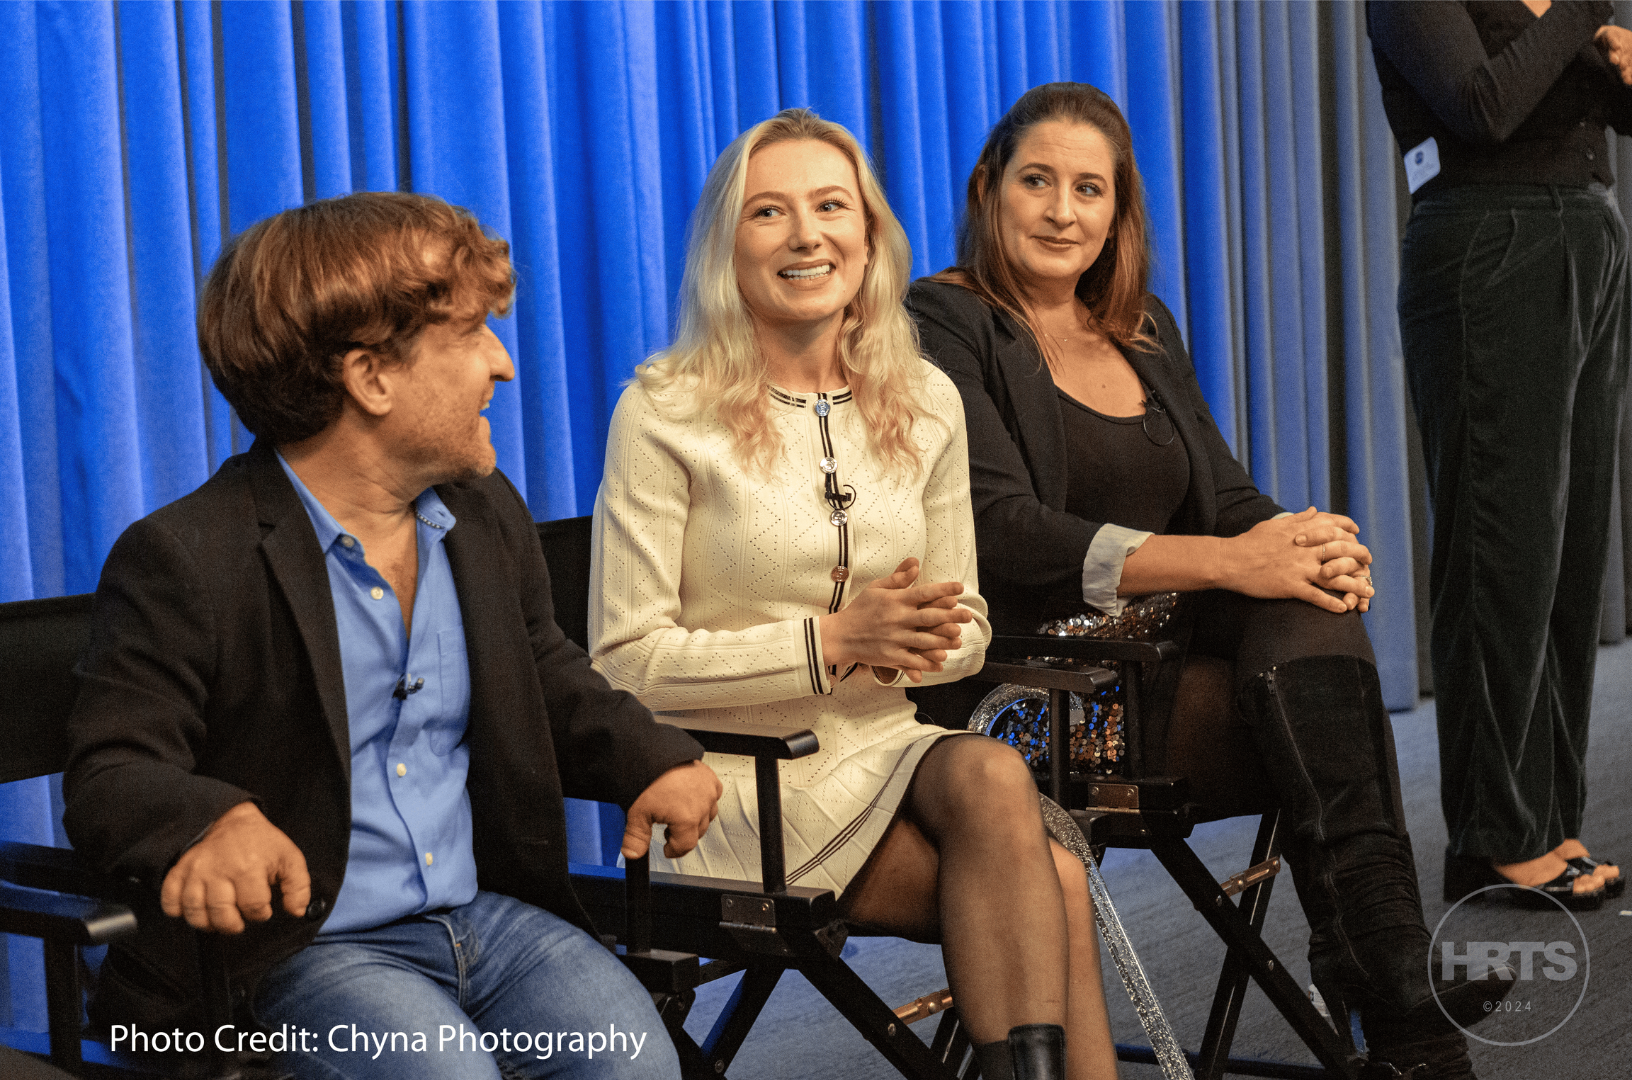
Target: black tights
[[968, 863]]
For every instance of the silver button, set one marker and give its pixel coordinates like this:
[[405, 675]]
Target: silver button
[[377, 593], [838, 518], [346, 541], [830, 465], [1589, 155], [823, 408]]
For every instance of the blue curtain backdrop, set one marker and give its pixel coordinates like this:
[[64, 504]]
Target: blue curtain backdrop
[[137, 135]]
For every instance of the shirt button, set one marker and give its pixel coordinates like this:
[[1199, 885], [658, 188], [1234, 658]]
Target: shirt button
[[427, 858], [402, 770], [346, 541], [377, 593]]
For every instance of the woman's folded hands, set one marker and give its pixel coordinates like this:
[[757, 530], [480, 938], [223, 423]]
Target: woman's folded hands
[[896, 623]]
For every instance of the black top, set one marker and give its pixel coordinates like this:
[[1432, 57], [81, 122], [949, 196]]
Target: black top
[[1117, 472], [1030, 547], [1508, 97]]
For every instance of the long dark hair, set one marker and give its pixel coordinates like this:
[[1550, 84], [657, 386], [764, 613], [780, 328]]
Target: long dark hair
[[1114, 287]]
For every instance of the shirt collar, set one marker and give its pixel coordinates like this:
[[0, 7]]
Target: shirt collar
[[428, 508]]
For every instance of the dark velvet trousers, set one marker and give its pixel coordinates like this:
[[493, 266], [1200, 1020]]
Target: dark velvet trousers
[[1514, 321]]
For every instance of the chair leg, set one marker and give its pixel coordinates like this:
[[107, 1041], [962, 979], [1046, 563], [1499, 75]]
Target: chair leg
[[1232, 979], [741, 1010], [63, 1004], [951, 1045], [1231, 924], [868, 1014]]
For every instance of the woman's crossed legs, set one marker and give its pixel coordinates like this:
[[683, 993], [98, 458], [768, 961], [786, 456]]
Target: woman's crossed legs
[[967, 863]]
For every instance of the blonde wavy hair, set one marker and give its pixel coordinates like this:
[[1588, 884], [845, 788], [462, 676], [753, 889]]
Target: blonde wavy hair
[[714, 354]]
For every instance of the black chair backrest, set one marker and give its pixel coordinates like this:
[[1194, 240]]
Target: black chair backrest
[[566, 550], [40, 641]]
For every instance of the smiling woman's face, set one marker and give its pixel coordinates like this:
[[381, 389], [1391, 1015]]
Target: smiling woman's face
[[1058, 201], [801, 246]]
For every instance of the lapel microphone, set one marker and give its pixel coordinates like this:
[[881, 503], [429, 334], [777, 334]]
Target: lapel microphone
[[404, 688]]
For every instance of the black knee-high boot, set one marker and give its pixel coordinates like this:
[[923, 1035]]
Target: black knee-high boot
[[1321, 727]]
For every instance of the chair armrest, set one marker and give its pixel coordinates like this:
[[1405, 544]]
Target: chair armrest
[[749, 740], [1005, 646], [77, 920], [1033, 673], [766, 745]]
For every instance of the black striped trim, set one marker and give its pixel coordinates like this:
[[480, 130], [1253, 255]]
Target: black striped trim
[[839, 500], [847, 833], [842, 397], [813, 667]]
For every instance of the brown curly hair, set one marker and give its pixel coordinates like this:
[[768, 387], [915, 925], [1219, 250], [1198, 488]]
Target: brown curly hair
[[292, 294]]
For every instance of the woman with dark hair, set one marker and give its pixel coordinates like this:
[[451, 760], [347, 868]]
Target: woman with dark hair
[[1098, 474]]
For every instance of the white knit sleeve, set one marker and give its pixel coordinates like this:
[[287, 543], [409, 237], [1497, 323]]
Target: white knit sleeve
[[637, 639], [949, 541]]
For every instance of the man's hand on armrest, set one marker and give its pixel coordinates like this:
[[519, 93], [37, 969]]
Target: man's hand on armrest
[[685, 799], [227, 876]]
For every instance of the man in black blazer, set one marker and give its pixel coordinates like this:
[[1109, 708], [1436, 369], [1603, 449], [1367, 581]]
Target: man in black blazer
[[327, 711]]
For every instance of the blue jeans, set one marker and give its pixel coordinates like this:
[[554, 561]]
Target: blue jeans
[[496, 988]]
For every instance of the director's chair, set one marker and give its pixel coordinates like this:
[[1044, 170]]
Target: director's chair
[[1146, 799]]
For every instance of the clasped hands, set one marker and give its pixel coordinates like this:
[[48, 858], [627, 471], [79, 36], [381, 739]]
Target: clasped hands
[[1615, 42], [1313, 556], [227, 877], [897, 624]]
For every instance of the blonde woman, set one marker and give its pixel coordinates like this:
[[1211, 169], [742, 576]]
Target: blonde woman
[[784, 536]]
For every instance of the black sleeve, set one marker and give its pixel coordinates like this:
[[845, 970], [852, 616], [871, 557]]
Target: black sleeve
[[607, 746], [138, 730], [1482, 99], [1022, 543], [1240, 504]]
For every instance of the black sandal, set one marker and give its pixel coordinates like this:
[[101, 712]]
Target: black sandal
[[1465, 874], [1614, 886]]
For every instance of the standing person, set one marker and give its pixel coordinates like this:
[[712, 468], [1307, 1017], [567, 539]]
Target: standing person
[[1099, 474], [1514, 320], [790, 446], [334, 670]]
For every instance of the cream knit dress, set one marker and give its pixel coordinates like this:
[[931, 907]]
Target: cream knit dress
[[712, 581]]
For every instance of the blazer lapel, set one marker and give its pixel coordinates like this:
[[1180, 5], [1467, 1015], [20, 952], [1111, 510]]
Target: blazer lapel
[[1036, 403], [291, 550], [1200, 503], [476, 562]]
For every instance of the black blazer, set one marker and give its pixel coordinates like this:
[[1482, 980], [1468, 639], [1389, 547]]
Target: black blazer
[[1031, 550], [213, 677]]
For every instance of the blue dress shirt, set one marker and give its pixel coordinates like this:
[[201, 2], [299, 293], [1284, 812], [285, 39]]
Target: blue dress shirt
[[407, 703]]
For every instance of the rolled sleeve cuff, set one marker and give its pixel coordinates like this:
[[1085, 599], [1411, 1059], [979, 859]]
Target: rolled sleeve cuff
[[1102, 569]]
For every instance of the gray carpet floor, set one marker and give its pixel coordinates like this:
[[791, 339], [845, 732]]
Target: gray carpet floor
[[801, 1035]]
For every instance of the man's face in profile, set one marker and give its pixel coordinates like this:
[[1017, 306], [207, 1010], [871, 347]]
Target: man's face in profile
[[447, 384]]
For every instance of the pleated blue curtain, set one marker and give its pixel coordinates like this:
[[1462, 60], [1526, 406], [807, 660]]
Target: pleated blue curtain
[[136, 136]]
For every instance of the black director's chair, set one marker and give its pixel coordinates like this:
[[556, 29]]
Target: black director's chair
[[759, 928], [46, 892], [1148, 803]]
